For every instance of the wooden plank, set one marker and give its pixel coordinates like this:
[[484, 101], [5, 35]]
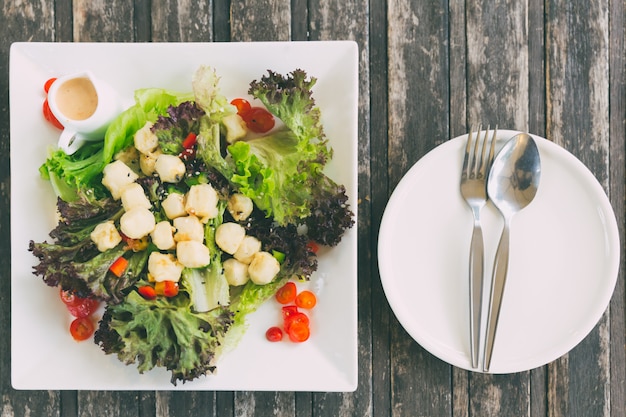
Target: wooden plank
[[500, 395], [578, 106], [418, 82], [536, 124], [185, 404], [419, 108], [498, 72], [376, 194], [221, 20], [617, 188], [182, 21], [278, 404], [103, 21], [263, 20]]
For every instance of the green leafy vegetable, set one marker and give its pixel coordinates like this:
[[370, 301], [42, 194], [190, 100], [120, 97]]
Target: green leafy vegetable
[[282, 172], [82, 171], [73, 261], [164, 332]]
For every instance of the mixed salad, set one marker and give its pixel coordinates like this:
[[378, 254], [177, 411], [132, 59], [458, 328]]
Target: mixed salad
[[192, 212]]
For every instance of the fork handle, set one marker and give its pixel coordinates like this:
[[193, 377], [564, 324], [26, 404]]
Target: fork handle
[[476, 266], [500, 268]]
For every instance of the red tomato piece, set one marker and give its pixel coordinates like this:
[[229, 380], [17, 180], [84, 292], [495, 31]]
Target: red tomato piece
[[243, 105], [48, 83], [147, 292], [289, 311], [306, 299], [287, 293], [47, 113], [259, 120], [68, 297], [274, 334], [166, 288], [313, 247], [190, 140], [299, 332], [81, 328], [298, 318], [83, 307]]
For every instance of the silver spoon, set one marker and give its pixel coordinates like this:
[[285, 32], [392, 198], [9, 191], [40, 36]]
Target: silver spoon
[[512, 185]]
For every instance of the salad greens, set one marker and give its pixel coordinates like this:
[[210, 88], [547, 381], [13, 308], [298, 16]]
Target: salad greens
[[281, 172]]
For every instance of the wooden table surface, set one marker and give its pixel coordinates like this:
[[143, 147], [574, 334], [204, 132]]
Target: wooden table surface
[[555, 68]]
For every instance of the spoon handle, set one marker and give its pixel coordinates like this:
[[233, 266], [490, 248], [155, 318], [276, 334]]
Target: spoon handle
[[500, 268], [476, 268]]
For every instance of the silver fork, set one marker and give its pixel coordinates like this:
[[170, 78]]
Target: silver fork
[[476, 164]]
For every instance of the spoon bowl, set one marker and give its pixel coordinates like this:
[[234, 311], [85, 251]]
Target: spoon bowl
[[512, 185]]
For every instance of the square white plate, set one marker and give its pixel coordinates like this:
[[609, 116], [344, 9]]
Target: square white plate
[[44, 355]]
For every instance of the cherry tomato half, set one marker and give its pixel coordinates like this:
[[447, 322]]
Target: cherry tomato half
[[47, 84], [306, 299], [166, 288], [148, 292], [68, 297], [258, 120], [274, 334], [77, 306], [84, 307], [299, 332], [298, 318], [47, 113], [289, 311], [81, 328], [243, 105], [287, 293]]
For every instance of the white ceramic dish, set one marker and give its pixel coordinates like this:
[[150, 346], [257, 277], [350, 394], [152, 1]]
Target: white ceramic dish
[[44, 356], [564, 258]]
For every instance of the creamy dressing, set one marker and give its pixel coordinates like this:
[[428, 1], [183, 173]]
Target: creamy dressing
[[77, 98]]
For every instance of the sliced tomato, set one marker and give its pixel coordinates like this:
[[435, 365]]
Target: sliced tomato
[[259, 120], [78, 306], [243, 105], [148, 292], [274, 334], [287, 293], [81, 328], [166, 288], [190, 140], [289, 311], [83, 307], [299, 332], [298, 318], [68, 297], [47, 114], [306, 299], [48, 83]]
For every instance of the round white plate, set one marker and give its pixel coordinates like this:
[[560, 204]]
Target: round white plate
[[564, 258]]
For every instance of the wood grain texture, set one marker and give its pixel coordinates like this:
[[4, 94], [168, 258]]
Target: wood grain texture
[[103, 21], [263, 20], [578, 119], [426, 71], [182, 21], [497, 63]]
